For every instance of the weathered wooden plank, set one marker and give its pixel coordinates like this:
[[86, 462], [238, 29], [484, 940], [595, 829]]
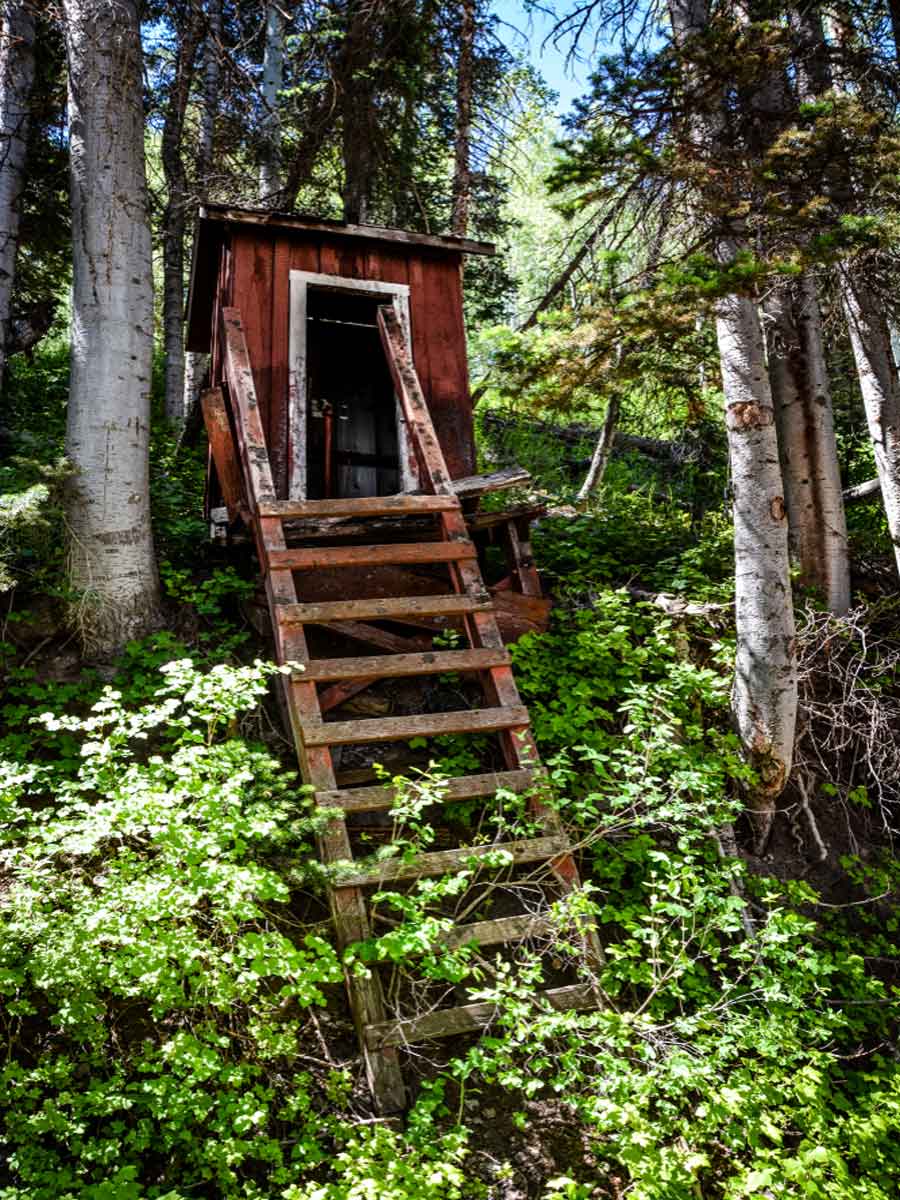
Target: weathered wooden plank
[[222, 448], [470, 1018], [463, 787], [340, 693], [503, 931], [254, 259], [338, 229], [387, 666], [497, 481], [324, 557], [398, 729], [248, 421], [412, 400], [383, 608], [360, 506], [392, 870]]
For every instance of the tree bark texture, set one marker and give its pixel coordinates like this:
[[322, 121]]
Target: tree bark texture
[[462, 173], [880, 387], [175, 216], [16, 79], [272, 83], [195, 364], [112, 564], [764, 699], [808, 449], [602, 450], [358, 125]]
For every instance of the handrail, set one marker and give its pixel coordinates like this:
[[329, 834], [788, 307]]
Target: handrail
[[412, 400], [248, 424]]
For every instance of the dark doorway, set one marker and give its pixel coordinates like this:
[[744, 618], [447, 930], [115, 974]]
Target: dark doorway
[[352, 446]]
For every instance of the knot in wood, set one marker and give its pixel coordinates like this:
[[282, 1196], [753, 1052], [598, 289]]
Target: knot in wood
[[777, 509], [749, 416]]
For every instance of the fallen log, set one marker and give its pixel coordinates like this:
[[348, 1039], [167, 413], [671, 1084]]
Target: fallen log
[[861, 492]]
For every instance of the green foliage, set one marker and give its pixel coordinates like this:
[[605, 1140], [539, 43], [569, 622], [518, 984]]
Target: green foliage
[[153, 983]]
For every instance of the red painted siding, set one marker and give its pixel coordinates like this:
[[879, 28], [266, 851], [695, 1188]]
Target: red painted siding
[[259, 287]]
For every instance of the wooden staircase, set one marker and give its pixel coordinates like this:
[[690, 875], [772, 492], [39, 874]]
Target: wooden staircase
[[315, 737]]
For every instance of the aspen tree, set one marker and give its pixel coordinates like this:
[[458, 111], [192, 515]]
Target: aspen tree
[[112, 564]]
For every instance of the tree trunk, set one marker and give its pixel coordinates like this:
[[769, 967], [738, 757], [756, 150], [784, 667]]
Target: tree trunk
[[764, 699], [864, 312], [358, 125], [602, 450], [195, 364], [174, 218], [112, 564], [870, 340], [807, 445], [272, 83], [462, 174], [16, 79], [765, 682]]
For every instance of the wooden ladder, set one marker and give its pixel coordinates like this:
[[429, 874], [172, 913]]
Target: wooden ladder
[[486, 654]]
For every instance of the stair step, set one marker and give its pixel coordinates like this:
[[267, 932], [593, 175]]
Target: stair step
[[360, 506], [504, 930], [463, 787], [391, 870], [382, 666], [383, 608], [470, 1018], [398, 729], [392, 554]]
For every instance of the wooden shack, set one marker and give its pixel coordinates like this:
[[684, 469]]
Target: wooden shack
[[308, 291], [341, 438]]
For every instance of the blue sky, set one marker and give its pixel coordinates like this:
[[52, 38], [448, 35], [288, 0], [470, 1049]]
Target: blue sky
[[526, 33]]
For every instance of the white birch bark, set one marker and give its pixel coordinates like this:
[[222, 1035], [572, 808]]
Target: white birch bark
[[272, 83], [16, 79], [863, 311], [195, 364], [809, 462], [764, 699], [880, 387], [112, 564]]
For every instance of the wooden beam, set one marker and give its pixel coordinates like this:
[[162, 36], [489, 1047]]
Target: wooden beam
[[372, 233], [477, 485], [520, 853], [470, 1018], [222, 448], [392, 554], [400, 729], [383, 608], [360, 506], [463, 787], [388, 666]]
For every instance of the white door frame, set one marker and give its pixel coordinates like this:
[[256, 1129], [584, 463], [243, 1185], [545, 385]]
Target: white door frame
[[300, 283]]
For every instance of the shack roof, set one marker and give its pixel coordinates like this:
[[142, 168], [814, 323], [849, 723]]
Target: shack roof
[[216, 220]]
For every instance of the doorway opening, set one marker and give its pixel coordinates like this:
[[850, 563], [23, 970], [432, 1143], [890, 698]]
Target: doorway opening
[[347, 435]]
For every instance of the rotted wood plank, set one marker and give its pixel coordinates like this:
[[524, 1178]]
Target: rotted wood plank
[[471, 1018], [325, 557], [360, 506], [497, 481], [528, 850], [463, 787], [386, 666], [222, 448], [398, 729], [242, 391], [384, 608], [503, 931], [340, 693]]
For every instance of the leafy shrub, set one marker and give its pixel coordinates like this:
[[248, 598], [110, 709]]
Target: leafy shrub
[[152, 982]]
